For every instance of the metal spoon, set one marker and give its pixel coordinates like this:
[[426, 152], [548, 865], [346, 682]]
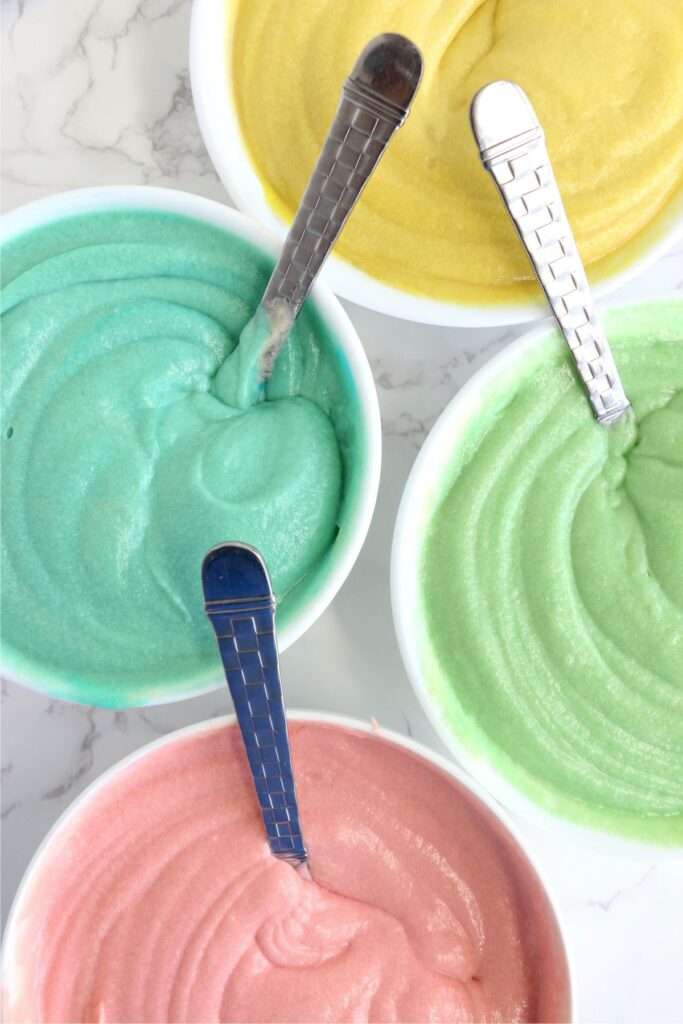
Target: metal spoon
[[375, 102], [512, 148], [240, 603]]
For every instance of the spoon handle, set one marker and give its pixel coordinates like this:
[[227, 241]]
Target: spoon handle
[[512, 148], [374, 103], [240, 604]]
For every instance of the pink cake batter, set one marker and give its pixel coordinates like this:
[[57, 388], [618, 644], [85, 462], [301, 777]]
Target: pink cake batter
[[159, 901]]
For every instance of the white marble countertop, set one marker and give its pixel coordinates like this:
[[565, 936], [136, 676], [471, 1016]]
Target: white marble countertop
[[97, 92]]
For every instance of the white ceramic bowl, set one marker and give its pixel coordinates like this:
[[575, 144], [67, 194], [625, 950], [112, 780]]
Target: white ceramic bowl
[[13, 922], [211, 76], [354, 530], [417, 504]]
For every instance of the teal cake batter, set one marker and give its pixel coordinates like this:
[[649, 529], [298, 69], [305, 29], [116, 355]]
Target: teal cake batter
[[123, 463]]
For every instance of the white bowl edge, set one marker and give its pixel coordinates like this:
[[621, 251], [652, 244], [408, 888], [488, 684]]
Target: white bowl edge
[[404, 598], [218, 124], [38, 211], [303, 715]]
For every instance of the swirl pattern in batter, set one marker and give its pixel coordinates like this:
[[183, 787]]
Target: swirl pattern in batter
[[123, 462], [430, 221], [159, 900], [551, 582]]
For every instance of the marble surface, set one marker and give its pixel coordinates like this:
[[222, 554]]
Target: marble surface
[[97, 92]]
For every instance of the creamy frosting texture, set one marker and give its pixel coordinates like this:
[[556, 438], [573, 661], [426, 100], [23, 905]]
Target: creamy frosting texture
[[551, 582], [430, 220], [124, 460], [159, 900]]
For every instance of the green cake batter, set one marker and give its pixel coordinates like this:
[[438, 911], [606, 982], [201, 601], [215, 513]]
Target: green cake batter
[[123, 463], [551, 583]]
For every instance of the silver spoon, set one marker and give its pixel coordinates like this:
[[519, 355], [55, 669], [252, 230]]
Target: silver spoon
[[240, 604], [375, 102], [512, 148]]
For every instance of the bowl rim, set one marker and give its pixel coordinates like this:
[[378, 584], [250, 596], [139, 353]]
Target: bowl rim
[[311, 716], [209, 60], [63, 204], [413, 507]]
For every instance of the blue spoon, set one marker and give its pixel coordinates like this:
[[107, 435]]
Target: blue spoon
[[240, 603]]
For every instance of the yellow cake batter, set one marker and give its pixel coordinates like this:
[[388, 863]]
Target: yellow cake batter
[[605, 78]]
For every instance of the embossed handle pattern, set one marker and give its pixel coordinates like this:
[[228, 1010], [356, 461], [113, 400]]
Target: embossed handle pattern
[[521, 169], [375, 102], [241, 606]]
